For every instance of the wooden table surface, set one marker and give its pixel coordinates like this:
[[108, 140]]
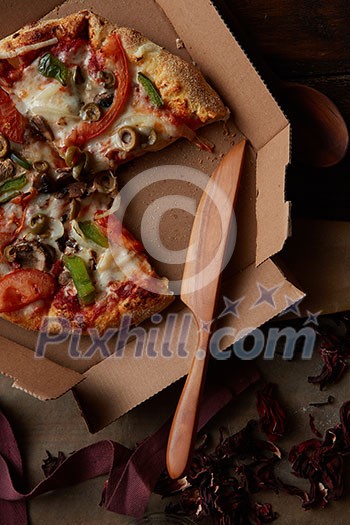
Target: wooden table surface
[[303, 40], [307, 41]]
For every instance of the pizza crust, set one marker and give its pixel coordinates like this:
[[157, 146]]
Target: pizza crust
[[140, 304], [71, 26], [180, 83]]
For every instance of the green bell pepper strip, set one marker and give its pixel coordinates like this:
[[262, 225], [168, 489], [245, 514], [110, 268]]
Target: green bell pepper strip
[[93, 232], [13, 184], [9, 196], [81, 278], [20, 161], [151, 90]]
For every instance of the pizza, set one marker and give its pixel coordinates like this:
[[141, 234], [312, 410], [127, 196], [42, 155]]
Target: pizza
[[78, 98]]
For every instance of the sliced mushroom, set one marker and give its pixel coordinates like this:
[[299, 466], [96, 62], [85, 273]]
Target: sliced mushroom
[[29, 254], [41, 126], [76, 190], [7, 169], [129, 138]]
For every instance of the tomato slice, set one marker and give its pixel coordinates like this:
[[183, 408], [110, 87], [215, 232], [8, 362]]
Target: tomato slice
[[12, 123], [23, 287], [115, 232], [88, 130]]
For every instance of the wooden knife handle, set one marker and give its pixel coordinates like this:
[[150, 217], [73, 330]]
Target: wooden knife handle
[[183, 429]]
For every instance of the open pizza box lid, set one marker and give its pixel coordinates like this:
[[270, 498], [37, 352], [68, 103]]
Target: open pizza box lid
[[108, 385]]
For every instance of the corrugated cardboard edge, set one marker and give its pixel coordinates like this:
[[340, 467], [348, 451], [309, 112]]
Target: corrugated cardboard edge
[[39, 377], [272, 160], [107, 394]]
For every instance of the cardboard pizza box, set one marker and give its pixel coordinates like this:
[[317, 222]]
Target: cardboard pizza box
[[108, 384]]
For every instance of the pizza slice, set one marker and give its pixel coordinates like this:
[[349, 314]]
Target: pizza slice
[[91, 87], [78, 97], [67, 256]]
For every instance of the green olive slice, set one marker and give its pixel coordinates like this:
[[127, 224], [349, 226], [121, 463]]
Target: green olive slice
[[39, 223], [106, 78], [10, 253], [91, 112], [73, 156], [105, 182], [129, 138], [41, 166]]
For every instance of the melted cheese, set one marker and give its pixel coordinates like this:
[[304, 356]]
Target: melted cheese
[[107, 271], [46, 97], [61, 105], [145, 50]]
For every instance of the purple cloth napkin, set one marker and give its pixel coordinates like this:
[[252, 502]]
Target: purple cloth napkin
[[132, 474]]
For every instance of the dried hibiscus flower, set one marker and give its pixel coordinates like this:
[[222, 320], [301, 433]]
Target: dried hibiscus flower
[[272, 417], [322, 462], [264, 513], [334, 349], [219, 484]]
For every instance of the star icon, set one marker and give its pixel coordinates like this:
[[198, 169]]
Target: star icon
[[266, 296], [231, 307], [312, 318], [204, 326], [292, 306]]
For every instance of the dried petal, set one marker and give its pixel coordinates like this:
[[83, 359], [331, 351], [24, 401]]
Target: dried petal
[[263, 513], [321, 462], [334, 350], [51, 463], [345, 425], [272, 420], [313, 427], [219, 485]]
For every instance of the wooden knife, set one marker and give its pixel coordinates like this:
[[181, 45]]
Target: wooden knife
[[199, 291]]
